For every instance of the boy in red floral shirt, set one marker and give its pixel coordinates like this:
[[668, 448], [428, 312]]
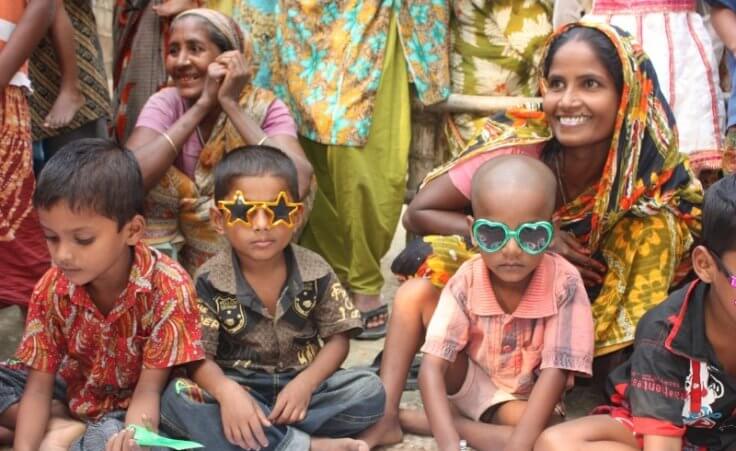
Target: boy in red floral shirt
[[111, 318]]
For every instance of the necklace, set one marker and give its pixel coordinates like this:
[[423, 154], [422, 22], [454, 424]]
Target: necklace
[[560, 185], [199, 135]]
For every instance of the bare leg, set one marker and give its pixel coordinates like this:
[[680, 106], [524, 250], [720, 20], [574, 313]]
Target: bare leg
[[61, 431], [337, 444], [490, 433], [413, 306], [598, 432], [70, 99]]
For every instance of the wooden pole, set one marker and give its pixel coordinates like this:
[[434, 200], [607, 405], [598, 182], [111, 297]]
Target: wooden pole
[[461, 103]]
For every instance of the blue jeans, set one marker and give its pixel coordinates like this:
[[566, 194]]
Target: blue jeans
[[731, 117], [344, 405]]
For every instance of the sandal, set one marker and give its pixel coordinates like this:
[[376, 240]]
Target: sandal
[[375, 332]]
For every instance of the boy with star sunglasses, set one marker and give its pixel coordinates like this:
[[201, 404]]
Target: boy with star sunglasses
[[276, 326]]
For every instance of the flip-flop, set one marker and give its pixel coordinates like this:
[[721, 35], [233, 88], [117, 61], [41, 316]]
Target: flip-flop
[[376, 332]]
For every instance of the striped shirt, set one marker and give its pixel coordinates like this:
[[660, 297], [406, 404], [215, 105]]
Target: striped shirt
[[11, 12], [552, 327]]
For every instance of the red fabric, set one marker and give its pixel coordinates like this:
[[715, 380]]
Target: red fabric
[[651, 426], [22, 262], [23, 254], [155, 324]]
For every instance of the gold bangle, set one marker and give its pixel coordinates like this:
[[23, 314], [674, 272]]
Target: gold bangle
[[263, 140], [171, 142]]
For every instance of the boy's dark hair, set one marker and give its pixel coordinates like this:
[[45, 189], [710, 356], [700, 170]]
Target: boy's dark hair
[[93, 174], [255, 161], [719, 216]]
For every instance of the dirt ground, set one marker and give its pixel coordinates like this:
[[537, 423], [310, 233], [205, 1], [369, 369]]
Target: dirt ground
[[578, 402]]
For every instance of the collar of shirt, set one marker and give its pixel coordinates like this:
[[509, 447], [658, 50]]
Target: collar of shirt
[[539, 299], [292, 286], [224, 274], [687, 336], [139, 281]]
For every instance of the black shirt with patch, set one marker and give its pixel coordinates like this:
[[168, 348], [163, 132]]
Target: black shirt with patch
[[238, 332]]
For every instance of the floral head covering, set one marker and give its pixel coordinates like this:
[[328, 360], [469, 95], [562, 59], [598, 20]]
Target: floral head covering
[[644, 171]]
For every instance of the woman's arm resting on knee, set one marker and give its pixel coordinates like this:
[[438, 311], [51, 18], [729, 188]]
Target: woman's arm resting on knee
[[547, 392], [434, 395], [34, 411], [438, 209], [154, 152]]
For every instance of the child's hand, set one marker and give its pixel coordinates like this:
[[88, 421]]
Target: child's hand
[[122, 441], [171, 8], [243, 420], [291, 404]]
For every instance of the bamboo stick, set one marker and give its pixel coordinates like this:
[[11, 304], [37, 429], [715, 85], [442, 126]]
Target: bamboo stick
[[461, 103]]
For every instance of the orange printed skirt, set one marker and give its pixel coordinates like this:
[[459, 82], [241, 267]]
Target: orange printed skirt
[[23, 254]]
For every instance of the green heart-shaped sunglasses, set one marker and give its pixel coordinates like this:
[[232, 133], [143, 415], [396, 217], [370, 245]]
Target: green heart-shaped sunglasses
[[532, 237]]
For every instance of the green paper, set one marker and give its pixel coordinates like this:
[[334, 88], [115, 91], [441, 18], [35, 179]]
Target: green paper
[[144, 437]]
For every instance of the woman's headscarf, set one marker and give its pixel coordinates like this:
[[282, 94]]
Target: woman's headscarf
[[222, 23], [644, 172]]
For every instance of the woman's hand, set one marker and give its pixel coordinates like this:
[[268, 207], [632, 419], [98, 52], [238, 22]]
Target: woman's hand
[[590, 269], [216, 73], [171, 8], [236, 77]]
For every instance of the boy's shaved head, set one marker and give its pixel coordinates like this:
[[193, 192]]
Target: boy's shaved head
[[512, 179]]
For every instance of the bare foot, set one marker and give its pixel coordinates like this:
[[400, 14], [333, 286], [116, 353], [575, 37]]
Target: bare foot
[[6, 436], [414, 421], [61, 434], [337, 444], [65, 107], [386, 432]]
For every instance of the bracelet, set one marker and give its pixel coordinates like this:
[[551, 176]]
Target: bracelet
[[263, 140], [171, 142]]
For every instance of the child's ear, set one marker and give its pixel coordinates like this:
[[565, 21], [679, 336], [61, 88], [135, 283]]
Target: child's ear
[[469, 220], [217, 220], [703, 264], [134, 230]]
